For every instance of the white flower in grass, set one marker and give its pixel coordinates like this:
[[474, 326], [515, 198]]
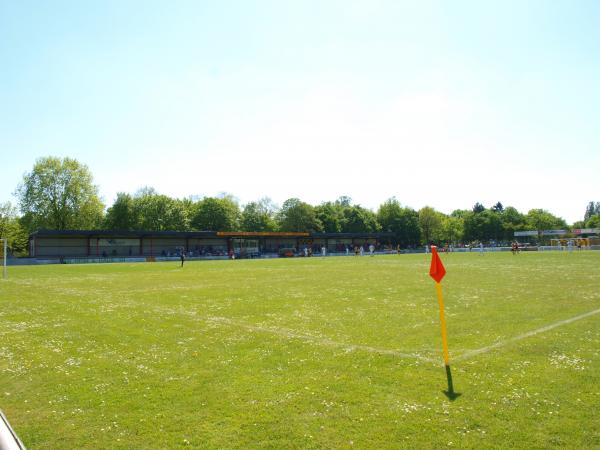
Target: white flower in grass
[[562, 361]]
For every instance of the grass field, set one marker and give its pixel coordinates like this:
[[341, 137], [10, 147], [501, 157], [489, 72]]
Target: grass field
[[339, 352]]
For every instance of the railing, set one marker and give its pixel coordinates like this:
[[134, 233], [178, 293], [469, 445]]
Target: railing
[[95, 260]]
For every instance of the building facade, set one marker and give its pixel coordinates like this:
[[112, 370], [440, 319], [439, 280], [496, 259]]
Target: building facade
[[110, 243]]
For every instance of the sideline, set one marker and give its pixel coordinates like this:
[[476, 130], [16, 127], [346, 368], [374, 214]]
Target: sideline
[[479, 351]]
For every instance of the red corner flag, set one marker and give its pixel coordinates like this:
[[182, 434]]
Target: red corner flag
[[437, 270]]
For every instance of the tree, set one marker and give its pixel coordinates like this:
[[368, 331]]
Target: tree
[[8, 214], [296, 215], [593, 222], [498, 208], [331, 216], [460, 213], [592, 209], [512, 220], [17, 239], [59, 194], [388, 215], [578, 224], [178, 214], [403, 222], [409, 231], [540, 219], [430, 223], [478, 208], [120, 216], [259, 216], [155, 212], [344, 201], [216, 214], [482, 226], [451, 229], [359, 220]]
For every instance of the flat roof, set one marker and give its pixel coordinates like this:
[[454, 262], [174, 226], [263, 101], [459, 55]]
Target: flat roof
[[120, 233]]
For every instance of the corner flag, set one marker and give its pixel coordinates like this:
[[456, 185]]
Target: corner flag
[[437, 269], [437, 272]]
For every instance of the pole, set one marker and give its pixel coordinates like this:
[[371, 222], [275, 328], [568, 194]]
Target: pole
[[451, 394], [438, 288], [4, 275], [8, 438], [5, 248]]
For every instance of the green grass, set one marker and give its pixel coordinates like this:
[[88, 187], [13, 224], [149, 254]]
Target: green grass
[[303, 353]]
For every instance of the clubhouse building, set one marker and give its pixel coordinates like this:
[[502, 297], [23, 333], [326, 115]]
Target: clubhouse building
[[151, 244]]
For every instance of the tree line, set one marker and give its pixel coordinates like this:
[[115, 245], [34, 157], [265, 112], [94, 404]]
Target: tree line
[[59, 194]]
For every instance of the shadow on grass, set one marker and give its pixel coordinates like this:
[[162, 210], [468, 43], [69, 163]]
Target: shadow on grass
[[452, 395], [450, 392]]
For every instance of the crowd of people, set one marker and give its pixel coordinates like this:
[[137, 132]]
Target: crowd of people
[[308, 250]]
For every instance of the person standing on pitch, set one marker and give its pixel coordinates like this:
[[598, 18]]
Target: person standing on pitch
[[481, 249], [182, 256]]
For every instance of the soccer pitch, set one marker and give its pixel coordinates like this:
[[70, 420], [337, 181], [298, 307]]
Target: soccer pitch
[[336, 352]]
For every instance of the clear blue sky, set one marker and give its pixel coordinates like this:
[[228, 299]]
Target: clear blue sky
[[439, 103]]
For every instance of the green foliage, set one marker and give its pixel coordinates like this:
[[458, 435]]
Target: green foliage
[[592, 209], [483, 226], [216, 214], [452, 229], [593, 222], [147, 210], [460, 213], [404, 222], [510, 215], [359, 220], [498, 207], [498, 223], [540, 219], [430, 222], [120, 216], [156, 212], [259, 216], [331, 215], [388, 215], [59, 194], [344, 201], [478, 208], [342, 216], [296, 215], [409, 231], [11, 230]]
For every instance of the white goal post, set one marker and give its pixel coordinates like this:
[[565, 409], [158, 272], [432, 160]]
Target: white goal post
[[8, 438], [3, 249]]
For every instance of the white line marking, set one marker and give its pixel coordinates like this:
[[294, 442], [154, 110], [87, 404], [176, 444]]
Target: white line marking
[[321, 341], [290, 334], [489, 348]]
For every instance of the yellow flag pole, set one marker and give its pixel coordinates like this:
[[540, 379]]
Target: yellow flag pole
[[450, 393], [438, 288]]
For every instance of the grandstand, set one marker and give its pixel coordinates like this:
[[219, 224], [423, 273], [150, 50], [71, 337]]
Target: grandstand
[[148, 244]]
